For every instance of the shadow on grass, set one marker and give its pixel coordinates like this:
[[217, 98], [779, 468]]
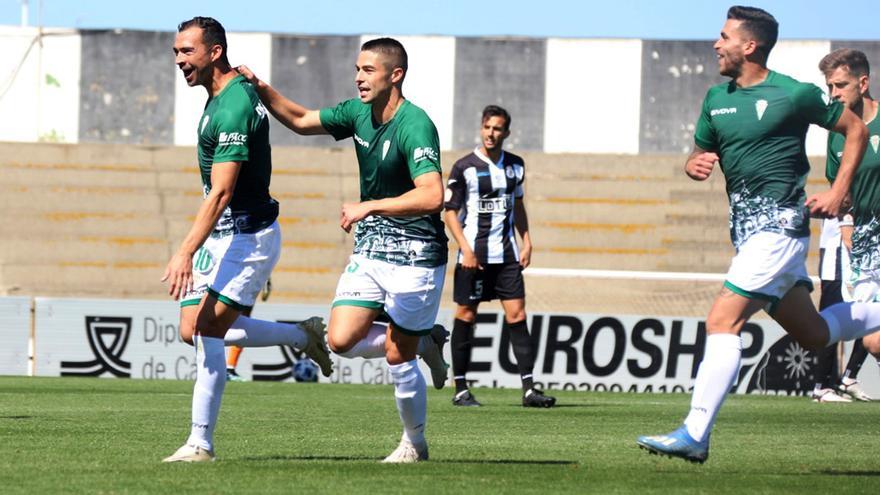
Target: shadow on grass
[[16, 417], [442, 461], [527, 462], [840, 472], [557, 406], [311, 458]]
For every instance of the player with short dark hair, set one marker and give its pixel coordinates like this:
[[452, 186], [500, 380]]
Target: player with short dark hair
[[400, 253], [235, 240], [762, 28], [755, 127], [484, 205]]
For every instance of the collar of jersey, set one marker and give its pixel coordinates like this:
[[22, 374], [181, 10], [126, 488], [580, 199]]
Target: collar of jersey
[[488, 160], [228, 85], [377, 124]]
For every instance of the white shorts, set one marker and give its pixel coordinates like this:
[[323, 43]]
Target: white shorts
[[235, 267], [863, 286], [409, 295], [767, 266]]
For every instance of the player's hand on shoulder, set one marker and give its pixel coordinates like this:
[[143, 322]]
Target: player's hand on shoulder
[[700, 165], [248, 74]]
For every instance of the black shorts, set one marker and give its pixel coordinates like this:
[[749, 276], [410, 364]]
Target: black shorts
[[831, 293], [502, 281]]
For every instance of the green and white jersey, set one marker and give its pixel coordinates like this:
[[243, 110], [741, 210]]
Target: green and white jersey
[[865, 193], [390, 156], [234, 128], [758, 132]]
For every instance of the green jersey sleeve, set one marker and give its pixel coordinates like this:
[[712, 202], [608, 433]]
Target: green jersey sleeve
[[339, 121], [705, 136], [234, 124], [420, 144], [815, 106], [832, 161]]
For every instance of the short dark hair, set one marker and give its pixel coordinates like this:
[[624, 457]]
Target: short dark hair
[[392, 49], [855, 61], [496, 111], [212, 32], [759, 23]]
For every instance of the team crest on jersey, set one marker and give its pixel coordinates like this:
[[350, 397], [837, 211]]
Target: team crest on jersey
[[385, 146], [760, 107], [875, 142], [508, 171], [204, 124]]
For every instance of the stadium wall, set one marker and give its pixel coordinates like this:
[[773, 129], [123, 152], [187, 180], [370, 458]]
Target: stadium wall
[[622, 96], [574, 351]]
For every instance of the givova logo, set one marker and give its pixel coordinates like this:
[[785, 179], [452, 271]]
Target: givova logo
[[361, 141], [107, 337], [722, 111]]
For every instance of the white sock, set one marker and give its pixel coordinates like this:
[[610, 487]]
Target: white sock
[[250, 332], [208, 390], [714, 378], [371, 346], [851, 320], [411, 394]]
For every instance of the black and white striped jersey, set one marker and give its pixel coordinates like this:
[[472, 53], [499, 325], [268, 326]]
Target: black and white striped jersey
[[833, 255], [484, 193]]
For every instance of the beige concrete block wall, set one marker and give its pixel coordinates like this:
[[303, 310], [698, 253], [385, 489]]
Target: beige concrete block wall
[[94, 220]]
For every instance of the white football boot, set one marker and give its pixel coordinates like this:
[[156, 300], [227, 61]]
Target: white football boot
[[316, 349], [191, 453], [408, 453]]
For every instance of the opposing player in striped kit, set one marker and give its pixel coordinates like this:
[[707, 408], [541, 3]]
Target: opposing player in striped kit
[[484, 208], [755, 126]]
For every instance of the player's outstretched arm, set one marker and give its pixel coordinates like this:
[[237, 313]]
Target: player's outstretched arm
[[828, 203], [468, 258], [425, 198], [700, 164], [296, 117], [178, 272]]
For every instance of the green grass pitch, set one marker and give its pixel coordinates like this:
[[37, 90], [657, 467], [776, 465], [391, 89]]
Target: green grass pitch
[[81, 435]]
